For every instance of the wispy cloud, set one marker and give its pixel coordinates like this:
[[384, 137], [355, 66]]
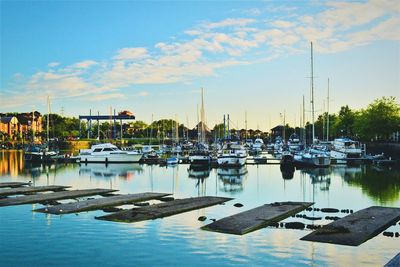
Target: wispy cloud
[[212, 45]]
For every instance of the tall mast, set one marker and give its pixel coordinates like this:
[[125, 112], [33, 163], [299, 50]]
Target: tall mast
[[48, 117], [312, 96], [245, 122], [304, 122], [202, 117], [327, 115]]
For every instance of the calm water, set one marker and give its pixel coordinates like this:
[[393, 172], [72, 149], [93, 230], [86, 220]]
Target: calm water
[[35, 239]]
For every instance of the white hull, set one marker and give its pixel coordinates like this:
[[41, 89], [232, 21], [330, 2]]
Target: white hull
[[231, 160], [111, 158]]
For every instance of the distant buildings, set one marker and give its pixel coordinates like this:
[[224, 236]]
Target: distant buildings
[[14, 126]]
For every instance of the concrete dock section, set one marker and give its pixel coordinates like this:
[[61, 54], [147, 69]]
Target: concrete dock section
[[251, 220], [13, 184], [31, 189], [395, 262], [99, 203], [164, 209], [356, 228], [53, 196]]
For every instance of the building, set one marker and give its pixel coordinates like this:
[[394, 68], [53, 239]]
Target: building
[[18, 125]]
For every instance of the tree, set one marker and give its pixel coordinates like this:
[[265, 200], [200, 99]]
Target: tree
[[345, 123], [379, 120]]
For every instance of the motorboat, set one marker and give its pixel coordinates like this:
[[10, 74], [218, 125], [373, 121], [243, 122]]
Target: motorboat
[[108, 153], [258, 145], [39, 153], [232, 155], [294, 143], [314, 159], [200, 158], [172, 160], [345, 149]]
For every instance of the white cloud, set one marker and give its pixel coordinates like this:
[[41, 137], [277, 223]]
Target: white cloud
[[53, 64], [131, 53], [85, 64], [282, 24], [210, 46], [229, 23]]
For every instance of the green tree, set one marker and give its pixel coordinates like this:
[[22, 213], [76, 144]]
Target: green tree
[[379, 120], [345, 122]]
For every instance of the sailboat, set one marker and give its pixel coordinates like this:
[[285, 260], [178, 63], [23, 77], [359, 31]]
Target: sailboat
[[44, 152], [201, 156], [313, 156]]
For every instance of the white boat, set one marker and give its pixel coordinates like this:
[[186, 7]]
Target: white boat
[[344, 149], [232, 155], [314, 159], [294, 143], [200, 158], [108, 153], [172, 161], [258, 145]]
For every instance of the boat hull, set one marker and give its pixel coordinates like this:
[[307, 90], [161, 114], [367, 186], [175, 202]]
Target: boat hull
[[111, 158], [231, 160]]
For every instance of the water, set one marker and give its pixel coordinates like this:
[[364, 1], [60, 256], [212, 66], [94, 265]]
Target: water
[[35, 239]]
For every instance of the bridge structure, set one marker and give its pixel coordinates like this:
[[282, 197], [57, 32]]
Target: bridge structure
[[114, 118]]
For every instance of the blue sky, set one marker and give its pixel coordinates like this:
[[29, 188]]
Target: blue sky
[[153, 57]]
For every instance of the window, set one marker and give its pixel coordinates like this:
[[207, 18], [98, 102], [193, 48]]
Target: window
[[97, 150], [107, 149]]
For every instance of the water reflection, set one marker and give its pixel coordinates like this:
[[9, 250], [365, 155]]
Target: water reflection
[[320, 176], [126, 171], [231, 180], [287, 171], [11, 162], [380, 183]]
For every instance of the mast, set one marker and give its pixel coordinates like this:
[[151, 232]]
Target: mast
[[202, 117], [48, 117], [304, 123], [327, 115], [245, 122], [312, 96]]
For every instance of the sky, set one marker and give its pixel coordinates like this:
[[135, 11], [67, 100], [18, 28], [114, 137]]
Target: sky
[[153, 57]]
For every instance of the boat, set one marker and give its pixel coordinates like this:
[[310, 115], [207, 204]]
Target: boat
[[258, 145], [232, 155], [39, 153], [200, 157], [172, 160], [46, 152], [294, 143], [260, 159], [345, 150], [313, 156], [108, 153]]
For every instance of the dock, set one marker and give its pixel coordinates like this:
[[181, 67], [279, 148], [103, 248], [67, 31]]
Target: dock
[[13, 184], [53, 196], [395, 262], [30, 190], [99, 203], [163, 209], [254, 219], [356, 228]]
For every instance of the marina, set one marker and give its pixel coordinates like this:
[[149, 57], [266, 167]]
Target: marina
[[250, 186]]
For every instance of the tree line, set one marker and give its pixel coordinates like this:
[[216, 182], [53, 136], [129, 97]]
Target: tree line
[[378, 121]]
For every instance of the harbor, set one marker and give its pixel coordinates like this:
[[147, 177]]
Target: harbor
[[200, 133], [251, 187]]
